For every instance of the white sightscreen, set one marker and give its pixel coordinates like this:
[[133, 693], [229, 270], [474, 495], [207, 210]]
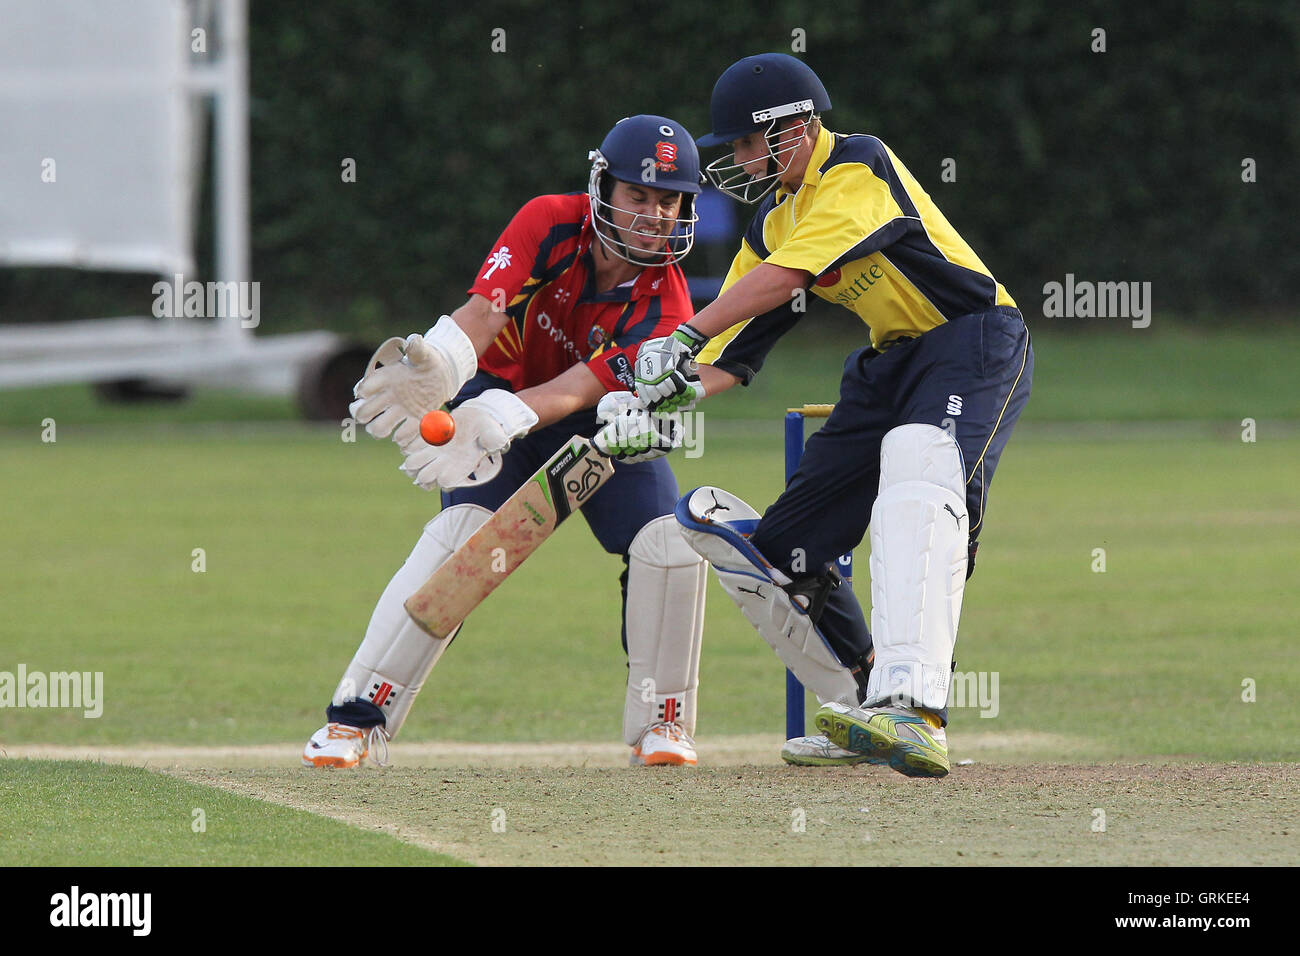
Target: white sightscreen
[[96, 142]]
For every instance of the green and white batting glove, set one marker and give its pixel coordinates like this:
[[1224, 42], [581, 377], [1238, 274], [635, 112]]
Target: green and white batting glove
[[667, 376], [632, 432]]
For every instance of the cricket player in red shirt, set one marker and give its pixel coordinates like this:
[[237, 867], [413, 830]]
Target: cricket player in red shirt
[[544, 348]]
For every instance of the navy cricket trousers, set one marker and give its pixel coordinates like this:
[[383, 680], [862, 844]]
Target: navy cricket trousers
[[971, 376]]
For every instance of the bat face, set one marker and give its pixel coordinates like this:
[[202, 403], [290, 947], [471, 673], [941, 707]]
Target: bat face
[[526, 519], [580, 470]]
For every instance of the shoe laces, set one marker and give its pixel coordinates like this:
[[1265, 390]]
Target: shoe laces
[[377, 739], [672, 730]]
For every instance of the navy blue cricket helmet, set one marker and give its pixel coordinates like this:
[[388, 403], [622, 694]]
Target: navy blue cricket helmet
[[754, 95], [651, 151]]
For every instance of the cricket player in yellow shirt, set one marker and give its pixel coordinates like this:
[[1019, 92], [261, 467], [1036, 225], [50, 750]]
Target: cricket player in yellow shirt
[[924, 413]]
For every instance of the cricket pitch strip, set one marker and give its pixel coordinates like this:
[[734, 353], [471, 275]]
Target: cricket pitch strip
[[562, 804]]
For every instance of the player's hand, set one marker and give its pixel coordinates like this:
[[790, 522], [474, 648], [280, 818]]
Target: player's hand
[[632, 432], [485, 427], [406, 377], [613, 404], [667, 376]]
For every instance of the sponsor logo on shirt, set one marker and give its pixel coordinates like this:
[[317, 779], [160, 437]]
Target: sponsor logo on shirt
[[621, 369], [557, 335], [861, 284]]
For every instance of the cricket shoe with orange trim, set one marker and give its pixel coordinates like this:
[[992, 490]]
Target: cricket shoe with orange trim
[[341, 745], [664, 744], [818, 751], [910, 740]]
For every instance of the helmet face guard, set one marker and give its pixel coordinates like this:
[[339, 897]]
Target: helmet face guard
[[755, 95], [677, 232], [653, 153], [730, 176]]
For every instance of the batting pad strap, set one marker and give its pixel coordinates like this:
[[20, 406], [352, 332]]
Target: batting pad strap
[[758, 589], [355, 713], [909, 683]]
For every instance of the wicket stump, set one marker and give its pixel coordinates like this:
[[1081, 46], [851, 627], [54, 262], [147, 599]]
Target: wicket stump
[[794, 419]]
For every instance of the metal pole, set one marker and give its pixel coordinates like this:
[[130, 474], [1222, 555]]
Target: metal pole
[[231, 166]]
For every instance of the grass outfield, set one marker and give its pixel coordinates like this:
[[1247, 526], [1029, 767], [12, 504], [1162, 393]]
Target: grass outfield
[[61, 813], [300, 532], [1180, 652]]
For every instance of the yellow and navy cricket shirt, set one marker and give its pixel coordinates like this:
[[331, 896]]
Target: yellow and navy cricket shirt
[[874, 242]]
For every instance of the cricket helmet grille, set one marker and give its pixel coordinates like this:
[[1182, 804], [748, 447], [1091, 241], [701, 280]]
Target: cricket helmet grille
[[654, 152]]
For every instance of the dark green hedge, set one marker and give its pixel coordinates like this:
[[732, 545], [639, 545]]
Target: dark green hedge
[[1123, 165]]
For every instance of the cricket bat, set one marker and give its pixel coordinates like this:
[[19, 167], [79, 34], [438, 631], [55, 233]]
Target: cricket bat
[[526, 519]]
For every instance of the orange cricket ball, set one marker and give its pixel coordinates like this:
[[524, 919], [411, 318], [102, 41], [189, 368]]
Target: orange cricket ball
[[437, 427]]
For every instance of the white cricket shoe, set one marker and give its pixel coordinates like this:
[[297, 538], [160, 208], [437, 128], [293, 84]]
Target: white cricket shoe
[[818, 751], [664, 744], [341, 745]]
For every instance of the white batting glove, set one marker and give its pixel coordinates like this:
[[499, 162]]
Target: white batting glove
[[485, 427], [408, 377], [613, 404], [667, 376], [632, 432]]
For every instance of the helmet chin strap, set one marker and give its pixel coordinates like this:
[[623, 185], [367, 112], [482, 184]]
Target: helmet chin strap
[[790, 148], [611, 233], [657, 260], [774, 170]]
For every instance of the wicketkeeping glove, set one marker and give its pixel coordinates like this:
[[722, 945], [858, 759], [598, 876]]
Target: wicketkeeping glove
[[407, 377], [667, 376], [485, 427], [632, 432]]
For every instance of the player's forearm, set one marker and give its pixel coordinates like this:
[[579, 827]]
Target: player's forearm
[[480, 322], [715, 380], [569, 392], [760, 290]]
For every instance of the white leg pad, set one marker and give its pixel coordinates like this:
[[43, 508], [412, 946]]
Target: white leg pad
[[396, 656], [665, 628], [919, 539], [717, 524]]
